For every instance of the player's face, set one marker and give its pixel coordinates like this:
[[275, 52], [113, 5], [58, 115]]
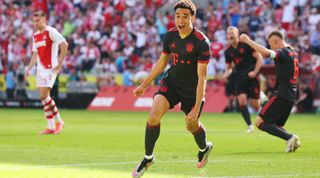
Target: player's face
[[183, 20], [38, 22], [274, 42], [232, 36]]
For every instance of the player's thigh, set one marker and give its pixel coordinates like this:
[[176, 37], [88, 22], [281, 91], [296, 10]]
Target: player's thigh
[[44, 92], [242, 99], [255, 103], [45, 78], [254, 88], [160, 106], [241, 91], [230, 88], [188, 104], [286, 107], [168, 90], [272, 110]]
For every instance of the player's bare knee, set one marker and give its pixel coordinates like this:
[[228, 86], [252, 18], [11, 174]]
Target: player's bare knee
[[259, 121], [191, 126], [154, 118], [242, 106], [43, 96], [255, 105], [242, 103], [242, 99]]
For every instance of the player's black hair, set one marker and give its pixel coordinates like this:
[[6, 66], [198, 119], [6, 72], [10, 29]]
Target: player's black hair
[[186, 4], [276, 33]]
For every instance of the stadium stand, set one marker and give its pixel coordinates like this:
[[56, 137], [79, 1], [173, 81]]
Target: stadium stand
[[107, 37]]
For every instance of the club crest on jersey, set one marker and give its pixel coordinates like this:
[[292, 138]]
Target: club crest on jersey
[[237, 60], [189, 47], [40, 43], [173, 45], [241, 50]]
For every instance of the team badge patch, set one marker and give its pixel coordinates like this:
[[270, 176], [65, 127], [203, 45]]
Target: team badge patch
[[173, 45], [189, 47]]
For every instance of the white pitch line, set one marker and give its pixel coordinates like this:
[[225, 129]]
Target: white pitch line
[[265, 176], [30, 167]]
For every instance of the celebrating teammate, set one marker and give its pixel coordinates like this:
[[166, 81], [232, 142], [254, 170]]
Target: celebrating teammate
[[247, 63], [275, 113], [184, 82]]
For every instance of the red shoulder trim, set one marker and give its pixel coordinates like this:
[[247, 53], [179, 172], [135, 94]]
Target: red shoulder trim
[[203, 61], [174, 29], [199, 34]]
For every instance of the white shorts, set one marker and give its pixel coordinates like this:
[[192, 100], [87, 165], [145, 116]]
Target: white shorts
[[46, 78]]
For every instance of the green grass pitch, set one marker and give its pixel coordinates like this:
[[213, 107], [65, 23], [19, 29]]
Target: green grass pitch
[[110, 144]]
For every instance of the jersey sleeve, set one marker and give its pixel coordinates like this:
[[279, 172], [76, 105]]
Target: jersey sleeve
[[249, 49], [279, 54], [166, 48], [56, 36], [204, 54]]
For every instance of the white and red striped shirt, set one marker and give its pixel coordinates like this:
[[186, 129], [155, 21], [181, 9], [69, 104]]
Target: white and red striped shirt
[[46, 44]]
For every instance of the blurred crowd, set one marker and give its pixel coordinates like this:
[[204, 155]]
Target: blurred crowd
[[111, 37]]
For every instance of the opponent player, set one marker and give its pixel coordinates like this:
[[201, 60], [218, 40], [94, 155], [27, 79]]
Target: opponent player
[[46, 43], [247, 63], [275, 113], [184, 82]]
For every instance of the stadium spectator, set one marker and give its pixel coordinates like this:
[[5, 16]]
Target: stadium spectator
[[245, 62], [21, 83], [288, 14], [161, 23], [128, 76], [254, 23], [314, 19], [10, 83], [315, 40], [91, 55]]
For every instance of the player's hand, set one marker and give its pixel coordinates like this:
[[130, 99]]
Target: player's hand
[[139, 91], [252, 74], [27, 72], [244, 38], [57, 69], [193, 114], [225, 76]]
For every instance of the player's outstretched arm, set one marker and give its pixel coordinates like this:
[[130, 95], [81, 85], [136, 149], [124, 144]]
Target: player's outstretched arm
[[259, 48], [156, 70]]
